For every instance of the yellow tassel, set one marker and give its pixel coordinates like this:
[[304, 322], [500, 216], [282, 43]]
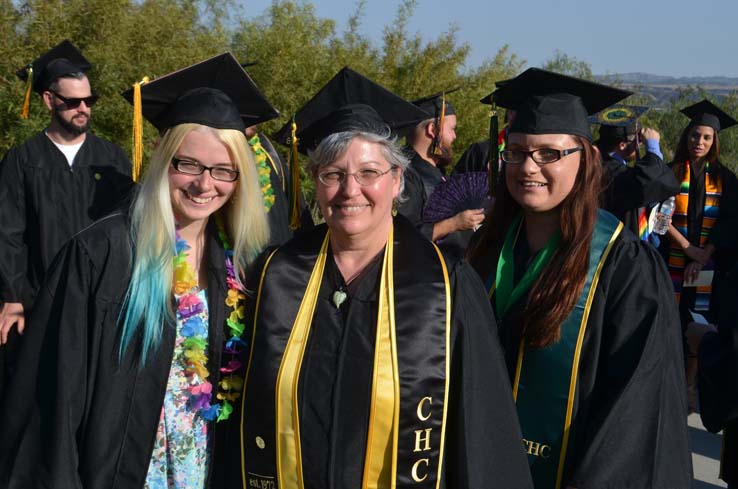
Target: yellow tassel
[[137, 149], [295, 167], [438, 150], [27, 101]]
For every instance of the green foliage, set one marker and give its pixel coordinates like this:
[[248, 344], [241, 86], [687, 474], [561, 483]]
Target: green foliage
[[297, 51]]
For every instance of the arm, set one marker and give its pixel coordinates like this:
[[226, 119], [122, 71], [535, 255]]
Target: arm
[[14, 287], [634, 432], [468, 219]]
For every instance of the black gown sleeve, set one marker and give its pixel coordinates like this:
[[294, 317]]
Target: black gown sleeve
[[414, 197], [649, 181], [631, 426], [52, 370], [483, 443], [475, 158], [14, 286]]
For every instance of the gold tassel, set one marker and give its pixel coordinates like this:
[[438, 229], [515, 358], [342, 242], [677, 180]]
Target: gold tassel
[[438, 149], [27, 101], [295, 170], [137, 134]]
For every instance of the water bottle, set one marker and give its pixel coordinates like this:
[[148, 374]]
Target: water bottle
[[663, 218]]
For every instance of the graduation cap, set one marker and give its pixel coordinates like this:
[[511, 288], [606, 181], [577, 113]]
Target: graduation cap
[[437, 104], [490, 99], [63, 59], [705, 113], [550, 103], [349, 101], [618, 121], [216, 92], [333, 109]]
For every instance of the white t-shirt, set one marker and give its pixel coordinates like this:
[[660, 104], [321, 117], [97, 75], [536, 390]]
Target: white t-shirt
[[69, 150]]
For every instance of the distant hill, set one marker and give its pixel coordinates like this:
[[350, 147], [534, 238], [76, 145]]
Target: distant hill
[[662, 89]]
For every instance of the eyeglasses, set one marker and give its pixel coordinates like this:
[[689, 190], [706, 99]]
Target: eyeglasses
[[189, 167], [542, 156], [74, 102], [364, 177]]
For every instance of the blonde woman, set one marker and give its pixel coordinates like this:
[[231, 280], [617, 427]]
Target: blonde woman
[[136, 349]]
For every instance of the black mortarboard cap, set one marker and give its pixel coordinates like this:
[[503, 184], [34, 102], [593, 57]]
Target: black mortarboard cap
[[216, 92], [63, 59], [618, 121], [349, 100], [705, 113], [550, 103], [432, 104], [491, 99]]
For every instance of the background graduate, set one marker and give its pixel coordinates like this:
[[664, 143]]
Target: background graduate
[[631, 189], [52, 185], [586, 319], [706, 208], [133, 360], [374, 361]]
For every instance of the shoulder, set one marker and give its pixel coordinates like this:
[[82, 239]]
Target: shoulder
[[100, 144], [109, 236], [28, 147]]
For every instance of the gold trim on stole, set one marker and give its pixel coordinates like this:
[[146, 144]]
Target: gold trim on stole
[[381, 445], [578, 351], [447, 284], [289, 459]]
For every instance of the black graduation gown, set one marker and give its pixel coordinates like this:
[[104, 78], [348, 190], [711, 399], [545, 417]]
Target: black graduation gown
[[475, 158], [279, 214], [629, 188], [718, 376], [45, 202], [629, 425], [93, 419], [720, 235], [421, 178], [483, 447]]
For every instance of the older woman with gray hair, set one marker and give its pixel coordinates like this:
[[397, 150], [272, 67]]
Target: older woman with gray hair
[[374, 361]]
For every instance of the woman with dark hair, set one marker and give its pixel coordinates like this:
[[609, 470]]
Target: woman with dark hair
[[706, 208], [585, 317]]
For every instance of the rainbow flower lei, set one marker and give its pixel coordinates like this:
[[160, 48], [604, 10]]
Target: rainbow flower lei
[[264, 172], [189, 306]]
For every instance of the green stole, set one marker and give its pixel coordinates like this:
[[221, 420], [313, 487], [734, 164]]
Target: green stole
[[406, 432], [544, 387]]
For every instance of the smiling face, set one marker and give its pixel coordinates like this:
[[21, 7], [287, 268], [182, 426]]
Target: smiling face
[[352, 210], [196, 197], [699, 141], [541, 188]]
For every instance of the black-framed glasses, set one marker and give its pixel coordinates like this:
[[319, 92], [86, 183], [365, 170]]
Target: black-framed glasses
[[542, 156], [363, 177], [189, 167], [74, 102]]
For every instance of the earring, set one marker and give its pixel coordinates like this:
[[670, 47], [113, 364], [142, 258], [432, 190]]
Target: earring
[[394, 208]]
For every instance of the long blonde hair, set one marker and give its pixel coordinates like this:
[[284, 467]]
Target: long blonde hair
[[147, 303]]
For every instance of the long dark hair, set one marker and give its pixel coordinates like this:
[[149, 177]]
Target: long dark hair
[[548, 305], [681, 155]]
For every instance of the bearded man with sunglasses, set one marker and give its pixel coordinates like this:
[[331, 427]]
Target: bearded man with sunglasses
[[52, 185]]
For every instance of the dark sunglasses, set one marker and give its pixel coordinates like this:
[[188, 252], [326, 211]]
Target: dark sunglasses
[[73, 102]]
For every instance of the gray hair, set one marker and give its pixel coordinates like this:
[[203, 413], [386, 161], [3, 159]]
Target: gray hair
[[54, 85], [335, 146]]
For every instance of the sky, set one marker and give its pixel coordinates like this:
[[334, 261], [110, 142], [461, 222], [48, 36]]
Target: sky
[[661, 37]]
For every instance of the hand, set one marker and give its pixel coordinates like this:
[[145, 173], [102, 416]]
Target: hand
[[11, 314], [468, 219], [692, 271], [648, 133], [697, 254]]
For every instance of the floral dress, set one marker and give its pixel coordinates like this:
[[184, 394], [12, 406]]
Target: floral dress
[[180, 458]]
